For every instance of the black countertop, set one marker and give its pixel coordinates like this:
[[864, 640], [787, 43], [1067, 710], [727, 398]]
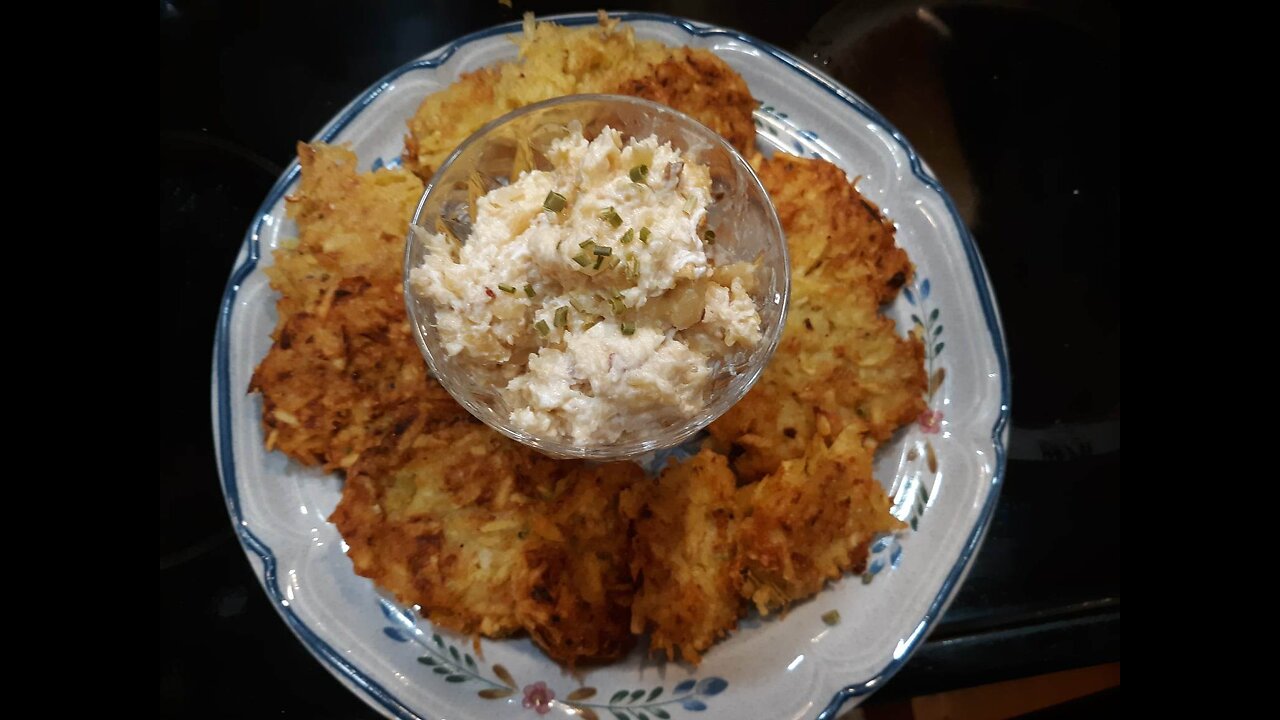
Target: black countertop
[[1008, 102]]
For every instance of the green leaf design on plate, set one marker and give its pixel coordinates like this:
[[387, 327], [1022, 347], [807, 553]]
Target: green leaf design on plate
[[636, 695], [441, 670], [617, 697], [438, 641], [619, 715], [427, 660], [916, 319], [457, 657], [471, 663], [582, 693], [456, 678], [937, 349], [937, 331], [640, 714], [659, 712], [933, 315], [653, 694]]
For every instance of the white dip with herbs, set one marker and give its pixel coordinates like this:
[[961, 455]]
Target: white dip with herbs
[[585, 294]]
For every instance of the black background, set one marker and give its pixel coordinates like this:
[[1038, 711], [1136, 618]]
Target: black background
[[1008, 102]]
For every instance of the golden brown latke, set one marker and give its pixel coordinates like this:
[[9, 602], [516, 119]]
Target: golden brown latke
[[555, 61], [337, 380], [576, 598], [839, 360], [700, 84], [343, 370], [490, 537], [685, 561], [350, 224], [833, 232], [440, 519], [811, 521]]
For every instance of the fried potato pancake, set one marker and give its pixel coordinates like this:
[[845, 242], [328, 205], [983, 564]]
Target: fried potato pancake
[[343, 369], [840, 360], [812, 520], [685, 558], [699, 84], [555, 61], [441, 520], [576, 598], [489, 537]]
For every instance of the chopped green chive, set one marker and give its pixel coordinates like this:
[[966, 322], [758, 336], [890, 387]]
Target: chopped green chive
[[602, 250], [644, 235], [586, 243], [555, 202], [831, 617], [542, 328], [582, 259], [599, 262], [709, 237], [615, 295], [639, 173], [577, 305], [562, 316], [528, 290], [611, 216], [633, 267], [618, 306], [628, 328], [628, 236], [506, 288], [590, 324]]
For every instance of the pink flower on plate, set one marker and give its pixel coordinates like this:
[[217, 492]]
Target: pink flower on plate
[[538, 697], [930, 421]]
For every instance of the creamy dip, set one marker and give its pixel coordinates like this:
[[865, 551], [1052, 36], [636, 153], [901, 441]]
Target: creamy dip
[[585, 294]]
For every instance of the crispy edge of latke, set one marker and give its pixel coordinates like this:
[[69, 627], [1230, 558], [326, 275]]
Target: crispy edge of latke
[[811, 521], [832, 229], [846, 265], [555, 60], [576, 600], [414, 507], [702, 85], [684, 556]]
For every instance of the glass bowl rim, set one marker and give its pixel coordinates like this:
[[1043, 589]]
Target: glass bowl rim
[[633, 448]]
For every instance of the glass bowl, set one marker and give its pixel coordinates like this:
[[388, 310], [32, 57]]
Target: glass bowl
[[746, 228]]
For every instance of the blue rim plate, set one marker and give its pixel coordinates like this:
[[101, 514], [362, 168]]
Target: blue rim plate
[[943, 473]]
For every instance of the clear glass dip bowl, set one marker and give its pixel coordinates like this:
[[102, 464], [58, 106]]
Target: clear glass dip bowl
[[744, 220]]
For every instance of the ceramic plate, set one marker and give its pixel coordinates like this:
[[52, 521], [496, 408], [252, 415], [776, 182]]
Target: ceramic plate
[[943, 472]]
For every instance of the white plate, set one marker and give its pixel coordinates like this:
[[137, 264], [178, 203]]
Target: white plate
[[943, 472]]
